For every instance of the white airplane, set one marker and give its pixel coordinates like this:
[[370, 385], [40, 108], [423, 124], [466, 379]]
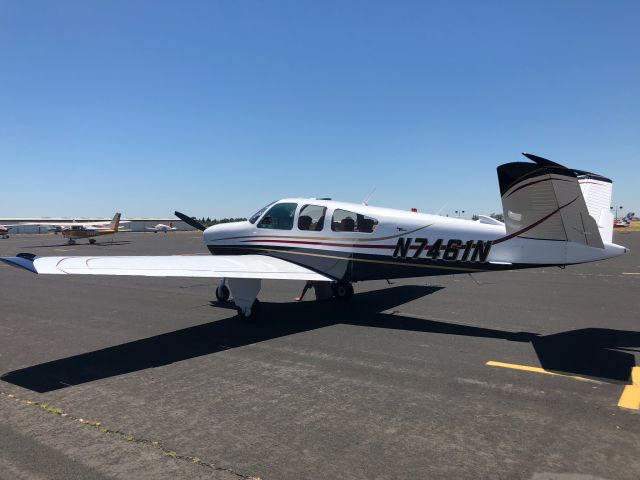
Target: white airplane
[[554, 216], [161, 227], [4, 230], [58, 227], [624, 222]]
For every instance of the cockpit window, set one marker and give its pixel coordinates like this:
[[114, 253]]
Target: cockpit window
[[311, 217], [279, 217], [259, 213], [345, 221]]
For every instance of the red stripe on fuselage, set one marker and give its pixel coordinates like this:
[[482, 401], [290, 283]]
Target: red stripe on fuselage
[[352, 245], [534, 224]]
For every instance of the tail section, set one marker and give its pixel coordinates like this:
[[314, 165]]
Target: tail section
[[597, 195], [115, 223], [544, 201]]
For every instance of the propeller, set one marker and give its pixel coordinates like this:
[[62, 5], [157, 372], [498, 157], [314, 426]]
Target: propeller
[[190, 221]]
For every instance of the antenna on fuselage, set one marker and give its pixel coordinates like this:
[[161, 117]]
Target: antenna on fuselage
[[369, 197]]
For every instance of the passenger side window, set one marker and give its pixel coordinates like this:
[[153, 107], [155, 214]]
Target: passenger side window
[[279, 217], [345, 221], [311, 217]]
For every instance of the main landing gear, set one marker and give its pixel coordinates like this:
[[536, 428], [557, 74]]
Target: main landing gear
[[342, 291], [245, 292], [222, 293], [92, 241]]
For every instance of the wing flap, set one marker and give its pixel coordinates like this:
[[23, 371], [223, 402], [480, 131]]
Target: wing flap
[[229, 266]]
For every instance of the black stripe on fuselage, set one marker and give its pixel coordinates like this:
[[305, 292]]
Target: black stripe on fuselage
[[355, 267]]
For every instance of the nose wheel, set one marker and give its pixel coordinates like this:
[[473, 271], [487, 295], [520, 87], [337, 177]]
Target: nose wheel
[[342, 291]]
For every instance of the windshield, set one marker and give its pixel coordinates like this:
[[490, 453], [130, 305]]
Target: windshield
[[259, 213]]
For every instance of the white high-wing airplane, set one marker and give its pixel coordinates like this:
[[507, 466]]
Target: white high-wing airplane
[[554, 216], [60, 226], [161, 227]]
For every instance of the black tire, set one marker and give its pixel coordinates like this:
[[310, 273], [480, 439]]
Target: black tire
[[91, 241], [256, 309], [343, 291], [222, 293]]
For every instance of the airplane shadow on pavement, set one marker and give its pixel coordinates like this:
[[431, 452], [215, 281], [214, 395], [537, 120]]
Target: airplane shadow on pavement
[[80, 243], [601, 353]]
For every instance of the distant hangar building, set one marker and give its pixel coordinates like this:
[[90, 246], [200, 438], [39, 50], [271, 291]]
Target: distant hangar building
[[138, 224]]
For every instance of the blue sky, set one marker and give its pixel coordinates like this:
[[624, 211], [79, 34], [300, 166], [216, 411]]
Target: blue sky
[[218, 107]]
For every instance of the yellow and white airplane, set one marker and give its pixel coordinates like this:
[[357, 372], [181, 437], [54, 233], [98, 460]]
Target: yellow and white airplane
[[76, 231], [554, 216]]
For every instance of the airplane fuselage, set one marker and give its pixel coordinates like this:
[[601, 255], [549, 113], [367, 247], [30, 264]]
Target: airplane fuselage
[[354, 242], [76, 233]]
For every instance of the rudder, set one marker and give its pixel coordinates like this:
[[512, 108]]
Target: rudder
[[115, 223], [543, 201]]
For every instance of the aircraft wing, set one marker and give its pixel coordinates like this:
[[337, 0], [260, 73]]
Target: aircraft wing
[[227, 266], [72, 224]]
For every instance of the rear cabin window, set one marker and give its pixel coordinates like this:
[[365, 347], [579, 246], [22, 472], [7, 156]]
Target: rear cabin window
[[345, 221], [279, 217], [311, 218]]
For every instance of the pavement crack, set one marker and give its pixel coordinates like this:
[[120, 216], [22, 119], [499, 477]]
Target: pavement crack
[[50, 409]]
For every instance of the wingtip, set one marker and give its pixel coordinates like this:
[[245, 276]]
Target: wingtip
[[22, 260]]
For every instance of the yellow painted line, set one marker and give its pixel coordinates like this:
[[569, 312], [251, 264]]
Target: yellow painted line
[[630, 397], [527, 368], [631, 273]]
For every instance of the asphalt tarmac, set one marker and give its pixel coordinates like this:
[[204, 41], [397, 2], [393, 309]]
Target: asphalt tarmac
[[123, 377]]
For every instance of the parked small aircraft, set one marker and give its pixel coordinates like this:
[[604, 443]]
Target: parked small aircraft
[[624, 222], [4, 231], [162, 228], [58, 227], [75, 232], [554, 216]]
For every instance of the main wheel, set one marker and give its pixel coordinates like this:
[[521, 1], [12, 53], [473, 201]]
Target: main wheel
[[222, 293], [342, 291], [92, 241], [253, 315]]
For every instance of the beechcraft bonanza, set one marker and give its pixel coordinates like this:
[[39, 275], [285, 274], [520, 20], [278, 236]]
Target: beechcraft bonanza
[[554, 216], [161, 227]]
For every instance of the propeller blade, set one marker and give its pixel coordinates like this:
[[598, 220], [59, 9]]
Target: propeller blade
[[190, 221]]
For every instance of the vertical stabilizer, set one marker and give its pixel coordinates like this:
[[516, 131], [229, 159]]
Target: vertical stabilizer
[[115, 223], [544, 201]]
